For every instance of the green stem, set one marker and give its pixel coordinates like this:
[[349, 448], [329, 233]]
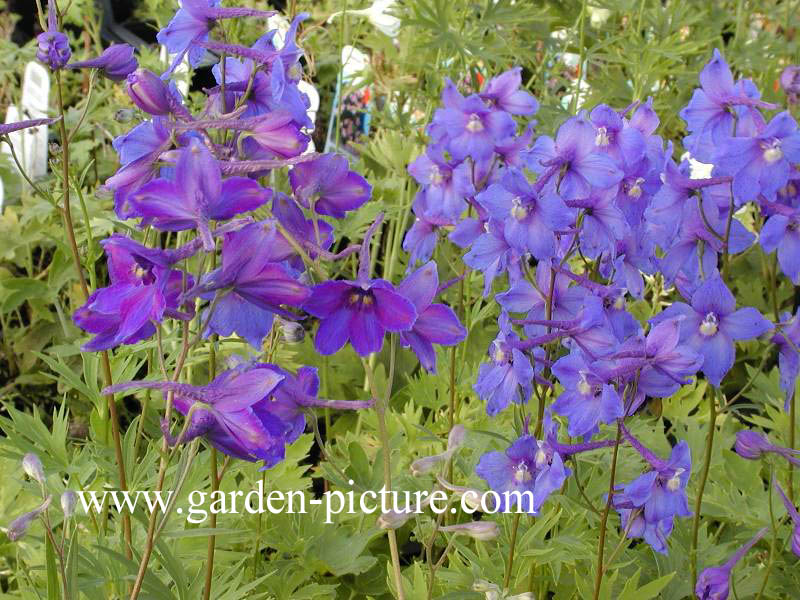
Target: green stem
[[512, 544], [381, 406], [604, 519], [698, 503], [773, 543]]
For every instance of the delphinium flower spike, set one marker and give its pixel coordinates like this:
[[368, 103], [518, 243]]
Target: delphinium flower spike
[[54, 48]]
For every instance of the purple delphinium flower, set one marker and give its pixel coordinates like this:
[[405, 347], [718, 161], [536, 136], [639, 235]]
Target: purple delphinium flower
[[359, 311], [503, 92], [761, 164], [116, 62], [192, 23], [435, 323], [196, 196], [54, 48], [492, 255], [588, 399], [154, 96], [445, 185], [782, 232], [573, 150], [327, 185], [250, 285], [658, 496], [565, 301], [420, 239], [603, 224], [508, 376], [663, 363], [143, 290], [528, 218], [625, 144], [713, 582], [526, 473], [715, 108], [467, 126], [242, 412], [712, 325], [788, 340], [753, 445], [794, 516]]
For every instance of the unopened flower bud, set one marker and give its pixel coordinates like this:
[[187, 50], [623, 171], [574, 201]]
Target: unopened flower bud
[[293, 332], [456, 438], [69, 501], [124, 115], [149, 92], [19, 526], [790, 82], [33, 467], [426, 464], [479, 530], [751, 445]]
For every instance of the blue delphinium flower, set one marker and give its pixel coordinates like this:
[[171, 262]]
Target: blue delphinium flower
[[508, 376], [781, 232], [54, 48], [712, 324]]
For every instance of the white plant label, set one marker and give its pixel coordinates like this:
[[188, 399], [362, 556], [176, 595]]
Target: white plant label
[[35, 98]]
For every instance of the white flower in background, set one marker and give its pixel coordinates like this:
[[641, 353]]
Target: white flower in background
[[354, 63], [598, 16], [279, 22], [377, 14]]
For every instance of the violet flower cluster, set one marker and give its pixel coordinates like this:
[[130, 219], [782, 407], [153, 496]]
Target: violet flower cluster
[[200, 173], [565, 229]]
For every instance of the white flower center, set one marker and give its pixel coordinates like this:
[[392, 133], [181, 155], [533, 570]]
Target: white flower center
[[584, 389], [497, 354], [436, 176], [541, 458], [518, 211], [602, 138], [474, 125], [773, 152], [674, 482], [710, 325], [522, 474], [635, 191]]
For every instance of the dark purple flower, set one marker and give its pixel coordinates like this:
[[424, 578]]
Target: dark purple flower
[[761, 164], [251, 285], [504, 93], [143, 290], [508, 376], [54, 48], [588, 399], [196, 196], [794, 516], [782, 232], [244, 412], [574, 151], [712, 324], [713, 582], [467, 126], [526, 473], [116, 62], [327, 185], [753, 445], [435, 323], [528, 218], [359, 311]]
